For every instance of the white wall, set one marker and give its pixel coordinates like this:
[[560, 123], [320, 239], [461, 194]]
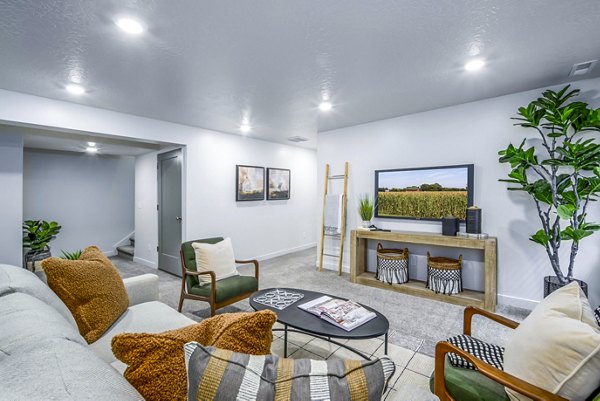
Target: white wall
[[257, 229], [468, 133], [146, 216], [90, 196], [11, 198]]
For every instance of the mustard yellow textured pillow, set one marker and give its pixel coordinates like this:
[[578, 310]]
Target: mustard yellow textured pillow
[[92, 289], [557, 347], [156, 362]]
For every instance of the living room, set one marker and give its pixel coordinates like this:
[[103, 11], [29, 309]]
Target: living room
[[379, 87]]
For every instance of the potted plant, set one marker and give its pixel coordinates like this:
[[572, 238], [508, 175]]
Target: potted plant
[[561, 173], [366, 207], [75, 255], [36, 236]]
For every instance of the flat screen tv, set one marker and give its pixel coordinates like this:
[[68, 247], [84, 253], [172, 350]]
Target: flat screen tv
[[427, 193]]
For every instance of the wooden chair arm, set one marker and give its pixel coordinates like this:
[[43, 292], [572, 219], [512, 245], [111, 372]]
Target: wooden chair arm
[[213, 276], [505, 379], [254, 262], [471, 311], [213, 280]]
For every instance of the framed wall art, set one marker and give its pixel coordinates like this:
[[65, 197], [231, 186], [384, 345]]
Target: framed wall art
[[250, 183], [278, 183]]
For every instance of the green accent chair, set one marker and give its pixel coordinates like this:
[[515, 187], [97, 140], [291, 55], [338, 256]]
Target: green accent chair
[[486, 382], [218, 293]]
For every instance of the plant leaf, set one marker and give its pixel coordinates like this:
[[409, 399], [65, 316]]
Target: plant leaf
[[540, 237], [565, 212]]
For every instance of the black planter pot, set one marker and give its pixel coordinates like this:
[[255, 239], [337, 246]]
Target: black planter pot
[[552, 284]]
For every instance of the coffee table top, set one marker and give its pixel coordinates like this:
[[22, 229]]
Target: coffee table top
[[305, 321]]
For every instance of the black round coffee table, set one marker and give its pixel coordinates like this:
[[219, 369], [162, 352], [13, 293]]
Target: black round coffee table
[[304, 322]]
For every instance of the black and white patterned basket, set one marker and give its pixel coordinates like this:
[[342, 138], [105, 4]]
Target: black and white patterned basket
[[392, 265], [444, 275]]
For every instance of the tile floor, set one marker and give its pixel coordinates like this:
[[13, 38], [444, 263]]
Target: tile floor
[[409, 382]]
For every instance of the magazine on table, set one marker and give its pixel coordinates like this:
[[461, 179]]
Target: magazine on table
[[344, 314]]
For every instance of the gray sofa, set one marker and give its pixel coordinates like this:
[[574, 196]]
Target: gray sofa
[[42, 355]]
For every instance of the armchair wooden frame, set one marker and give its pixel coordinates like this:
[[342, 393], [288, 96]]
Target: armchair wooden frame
[[507, 380], [212, 298]]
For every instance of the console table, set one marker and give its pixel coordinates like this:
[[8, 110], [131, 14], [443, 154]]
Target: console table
[[360, 275]]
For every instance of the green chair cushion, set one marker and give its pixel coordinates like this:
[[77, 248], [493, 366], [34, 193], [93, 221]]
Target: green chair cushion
[[189, 257], [228, 287], [470, 385]]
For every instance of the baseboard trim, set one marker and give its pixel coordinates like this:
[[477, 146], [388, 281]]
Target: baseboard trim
[[145, 262], [108, 254], [285, 251], [517, 302], [124, 240]]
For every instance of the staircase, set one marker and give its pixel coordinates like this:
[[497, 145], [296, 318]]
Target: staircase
[[126, 251]]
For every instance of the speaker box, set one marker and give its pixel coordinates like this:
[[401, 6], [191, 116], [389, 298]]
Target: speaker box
[[474, 220], [449, 226]]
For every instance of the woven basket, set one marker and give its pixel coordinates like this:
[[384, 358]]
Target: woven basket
[[444, 275], [392, 265]]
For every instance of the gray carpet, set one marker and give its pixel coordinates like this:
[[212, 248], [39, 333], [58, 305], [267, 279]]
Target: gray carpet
[[415, 323]]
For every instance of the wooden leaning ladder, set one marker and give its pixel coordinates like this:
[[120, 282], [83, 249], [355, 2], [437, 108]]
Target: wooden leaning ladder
[[343, 228]]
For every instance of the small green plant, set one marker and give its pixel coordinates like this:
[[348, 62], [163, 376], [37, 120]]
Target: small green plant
[[366, 207], [75, 255], [38, 233]]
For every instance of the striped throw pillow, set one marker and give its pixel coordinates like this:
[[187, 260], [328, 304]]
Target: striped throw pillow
[[215, 373]]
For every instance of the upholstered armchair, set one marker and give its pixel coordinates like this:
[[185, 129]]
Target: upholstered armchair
[[218, 293], [486, 381], [553, 354]]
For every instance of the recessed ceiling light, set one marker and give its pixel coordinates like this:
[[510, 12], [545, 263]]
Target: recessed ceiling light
[[245, 128], [75, 89], [92, 144], [130, 26], [474, 65], [91, 149], [325, 106]]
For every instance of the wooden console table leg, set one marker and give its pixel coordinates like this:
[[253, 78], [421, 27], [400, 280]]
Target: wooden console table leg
[[358, 256], [490, 259]]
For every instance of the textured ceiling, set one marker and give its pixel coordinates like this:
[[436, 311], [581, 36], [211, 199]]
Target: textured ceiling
[[211, 63], [35, 138]]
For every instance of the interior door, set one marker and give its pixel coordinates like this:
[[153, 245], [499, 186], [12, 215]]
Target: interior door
[[169, 211]]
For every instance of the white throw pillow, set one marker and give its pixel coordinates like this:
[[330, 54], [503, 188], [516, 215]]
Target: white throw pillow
[[557, 347], [215, 257]]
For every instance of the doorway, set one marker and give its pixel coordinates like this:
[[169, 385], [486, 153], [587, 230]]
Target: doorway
[[169, 211]]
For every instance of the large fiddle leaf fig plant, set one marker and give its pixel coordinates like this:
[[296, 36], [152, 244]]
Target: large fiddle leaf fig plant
[[561, 172]]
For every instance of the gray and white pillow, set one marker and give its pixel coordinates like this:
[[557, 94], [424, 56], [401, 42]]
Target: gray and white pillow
[[221, 374]]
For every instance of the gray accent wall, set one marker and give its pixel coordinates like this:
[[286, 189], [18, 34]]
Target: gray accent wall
[[91, 196]]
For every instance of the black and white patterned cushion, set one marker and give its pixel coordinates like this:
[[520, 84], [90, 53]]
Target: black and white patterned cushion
[[597, 315], [488, 353]]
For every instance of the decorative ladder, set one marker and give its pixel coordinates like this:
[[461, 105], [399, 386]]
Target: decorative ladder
[[343, 228]]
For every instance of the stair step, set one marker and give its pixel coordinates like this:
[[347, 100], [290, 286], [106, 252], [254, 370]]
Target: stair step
[[126, 249], [132, 240]]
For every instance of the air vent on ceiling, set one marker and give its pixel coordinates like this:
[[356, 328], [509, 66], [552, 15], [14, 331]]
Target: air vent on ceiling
[[582, 68], [297, 139]]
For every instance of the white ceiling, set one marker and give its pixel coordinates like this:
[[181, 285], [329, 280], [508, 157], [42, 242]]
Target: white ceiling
[[35, 138], [210, 63]]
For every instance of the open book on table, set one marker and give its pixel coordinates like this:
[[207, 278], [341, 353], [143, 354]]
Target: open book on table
[[345, 314]]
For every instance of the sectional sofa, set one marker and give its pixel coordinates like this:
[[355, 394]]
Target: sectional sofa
[[42, 354]]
